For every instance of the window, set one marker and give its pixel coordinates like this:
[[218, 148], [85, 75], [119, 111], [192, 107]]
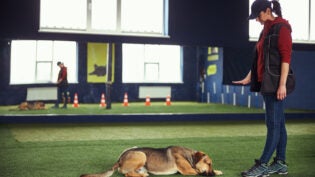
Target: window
[[303, 25], [104, 15], [300, 23], [35, 62], [142, 16], [312, 20], [63, 14], [116, 17], [143, 63]]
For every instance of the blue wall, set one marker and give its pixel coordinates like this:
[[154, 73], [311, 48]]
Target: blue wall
[[303, 63]]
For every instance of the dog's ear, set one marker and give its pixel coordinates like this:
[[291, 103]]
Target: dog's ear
[[198, 156]]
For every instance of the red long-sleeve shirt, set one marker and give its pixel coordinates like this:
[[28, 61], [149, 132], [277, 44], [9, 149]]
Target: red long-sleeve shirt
[[284, 44], [62, 76]]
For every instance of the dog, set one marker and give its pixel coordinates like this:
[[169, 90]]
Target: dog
[[37, 105], [99, 71], [142, 161]]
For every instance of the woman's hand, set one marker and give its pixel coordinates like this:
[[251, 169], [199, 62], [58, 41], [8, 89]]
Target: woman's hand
[[244, 81], [281, 92]]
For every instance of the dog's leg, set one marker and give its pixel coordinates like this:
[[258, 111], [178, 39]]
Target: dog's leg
[[136, 174], [140, 172], [183, 166], [132, 165]]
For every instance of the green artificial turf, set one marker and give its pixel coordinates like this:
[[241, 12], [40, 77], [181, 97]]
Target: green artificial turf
[[68, 150], [140, 108]]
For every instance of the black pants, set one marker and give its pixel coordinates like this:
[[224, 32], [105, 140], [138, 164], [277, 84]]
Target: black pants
[[63, 95]]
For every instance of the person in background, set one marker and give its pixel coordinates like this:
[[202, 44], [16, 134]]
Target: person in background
[[62, 84], [279, 51]]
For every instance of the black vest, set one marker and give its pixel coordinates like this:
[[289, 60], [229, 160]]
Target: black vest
[[272, 58]]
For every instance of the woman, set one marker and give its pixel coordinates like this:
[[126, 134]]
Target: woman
[[274, 46], [62, 84]]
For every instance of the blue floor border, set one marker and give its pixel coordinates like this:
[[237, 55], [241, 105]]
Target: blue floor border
[[12, 119]]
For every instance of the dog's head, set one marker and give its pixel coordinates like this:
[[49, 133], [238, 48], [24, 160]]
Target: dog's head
[[203, 164], [23, 106]]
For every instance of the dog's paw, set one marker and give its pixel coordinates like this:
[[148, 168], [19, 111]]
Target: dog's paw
[[218, 172], [142, 170]]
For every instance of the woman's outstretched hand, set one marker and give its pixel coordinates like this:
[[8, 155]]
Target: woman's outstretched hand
[[244, 81]]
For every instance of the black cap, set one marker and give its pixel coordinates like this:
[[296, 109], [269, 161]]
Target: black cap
[[257, 7], [58, 63]]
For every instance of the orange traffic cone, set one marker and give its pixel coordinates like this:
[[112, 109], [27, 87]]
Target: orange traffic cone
[[103, 102], [125, 100], [168, 101], [147, 101], [75, 101]]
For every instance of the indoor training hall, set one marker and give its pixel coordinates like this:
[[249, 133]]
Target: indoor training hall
[[84, 80]]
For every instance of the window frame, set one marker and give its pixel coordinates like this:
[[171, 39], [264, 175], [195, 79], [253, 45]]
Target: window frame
[[119, 31]]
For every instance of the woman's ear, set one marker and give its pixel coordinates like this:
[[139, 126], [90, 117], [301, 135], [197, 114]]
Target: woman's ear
[[269, 11]]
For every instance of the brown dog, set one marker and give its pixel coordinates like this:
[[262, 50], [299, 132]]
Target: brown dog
[[37, 105], [139, 162]]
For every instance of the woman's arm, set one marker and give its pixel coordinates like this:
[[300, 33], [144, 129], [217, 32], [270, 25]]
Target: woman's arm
[[285, 50]]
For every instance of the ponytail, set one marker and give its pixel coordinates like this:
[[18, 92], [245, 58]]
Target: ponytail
[[276, 8]]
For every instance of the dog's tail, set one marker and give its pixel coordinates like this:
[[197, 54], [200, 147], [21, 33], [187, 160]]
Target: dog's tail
[[104, 174]]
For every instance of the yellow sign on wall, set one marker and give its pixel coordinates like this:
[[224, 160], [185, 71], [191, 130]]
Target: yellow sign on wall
[[97, 60], [212, 70], [213, 53]]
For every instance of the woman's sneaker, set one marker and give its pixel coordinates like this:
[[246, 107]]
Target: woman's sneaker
[[278, 167], [258, 170]]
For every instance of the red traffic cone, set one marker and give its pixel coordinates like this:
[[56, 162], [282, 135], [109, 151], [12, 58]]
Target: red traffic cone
[[168, 101], [103, 102], [125, 100], [147, 101], [75, 101]]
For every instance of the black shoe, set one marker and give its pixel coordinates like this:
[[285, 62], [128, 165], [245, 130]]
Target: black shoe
[[55, 107]]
